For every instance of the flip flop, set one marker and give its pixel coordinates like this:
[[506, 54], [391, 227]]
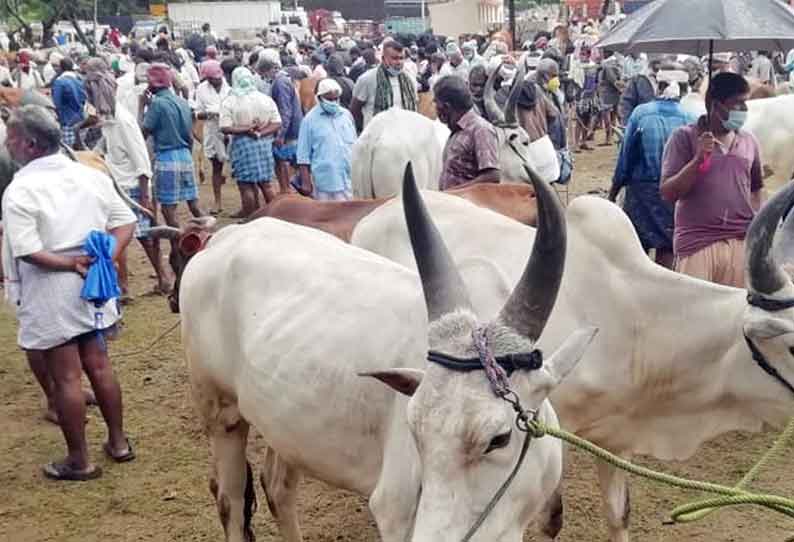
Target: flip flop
[[64, 473], [126, 457]]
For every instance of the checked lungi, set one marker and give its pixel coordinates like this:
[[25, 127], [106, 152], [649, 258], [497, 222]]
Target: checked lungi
[[68, 135], [173, 177], [252, 159], [144, 223]]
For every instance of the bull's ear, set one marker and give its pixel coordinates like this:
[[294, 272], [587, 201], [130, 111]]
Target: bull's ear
[[404, 381], [565, 359]]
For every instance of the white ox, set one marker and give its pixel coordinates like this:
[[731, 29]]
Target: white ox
[[771, 120], [670, 368], [283, 354], [390, 141]]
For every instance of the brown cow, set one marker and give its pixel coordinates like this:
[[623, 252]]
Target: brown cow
[[339, 218]]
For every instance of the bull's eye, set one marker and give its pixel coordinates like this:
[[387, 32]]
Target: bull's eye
[[513, 137], [791, 350], [499, 442]]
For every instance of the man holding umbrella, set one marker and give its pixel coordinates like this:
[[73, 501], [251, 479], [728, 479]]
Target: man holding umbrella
[[712, 172]]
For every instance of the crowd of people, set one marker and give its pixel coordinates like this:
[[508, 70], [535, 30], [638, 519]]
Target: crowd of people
[[138, 104]]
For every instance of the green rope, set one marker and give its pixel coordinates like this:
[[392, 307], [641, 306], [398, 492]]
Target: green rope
[[730, 496]]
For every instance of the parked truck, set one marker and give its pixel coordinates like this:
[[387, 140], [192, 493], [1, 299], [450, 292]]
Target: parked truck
[[226, 17]]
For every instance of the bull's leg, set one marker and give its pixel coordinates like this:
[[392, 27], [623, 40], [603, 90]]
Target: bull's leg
[[280, 482], [615, 495], [231, 480], [550, 519], [393, 504]]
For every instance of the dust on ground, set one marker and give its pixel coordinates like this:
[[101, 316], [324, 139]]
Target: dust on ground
[[163, 495]]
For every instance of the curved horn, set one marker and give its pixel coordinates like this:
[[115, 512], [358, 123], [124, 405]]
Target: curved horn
[[442, 284], [764, 275], [510, 106], [167, 232], [492, 109], [203, 222], [534, 296]]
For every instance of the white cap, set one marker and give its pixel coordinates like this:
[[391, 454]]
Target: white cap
[[328, 85]]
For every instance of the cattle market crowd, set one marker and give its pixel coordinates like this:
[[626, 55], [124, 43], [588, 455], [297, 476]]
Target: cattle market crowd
[[106, 148]]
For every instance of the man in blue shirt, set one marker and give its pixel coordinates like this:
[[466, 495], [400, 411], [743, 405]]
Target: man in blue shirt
[[289, 107], [68, 95], [169, 121], [325, 146], [639, 166]]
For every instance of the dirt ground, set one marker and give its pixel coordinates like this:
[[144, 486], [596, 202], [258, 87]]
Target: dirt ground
[[163, 495]]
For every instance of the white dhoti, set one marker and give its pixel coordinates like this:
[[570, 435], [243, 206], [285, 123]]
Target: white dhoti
[[214, 145], [51, 311]]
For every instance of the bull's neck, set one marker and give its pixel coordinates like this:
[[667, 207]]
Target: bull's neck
[[712, 339]]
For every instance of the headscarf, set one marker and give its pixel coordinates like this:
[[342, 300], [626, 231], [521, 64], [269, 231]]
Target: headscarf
[[159, 76], [328, 85], [100, 87], [452, 48], [24, 57], [211, 69], [211, 52], [243, 81]]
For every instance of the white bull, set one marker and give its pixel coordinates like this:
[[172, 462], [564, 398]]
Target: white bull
[[390, 141], [282, 355], [771, 120], [670, 368]]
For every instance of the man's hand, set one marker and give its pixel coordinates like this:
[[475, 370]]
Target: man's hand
[[705, 146], [80, 264], [146, 203], [279, 142]]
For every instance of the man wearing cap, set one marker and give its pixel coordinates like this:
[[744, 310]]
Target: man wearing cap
[[456, 65], [639, 166], [384, 87], [325, 146], [209, 95], [169, 121]]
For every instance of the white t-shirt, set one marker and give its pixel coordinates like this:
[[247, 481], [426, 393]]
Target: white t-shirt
[[53, 204], [126, 155], [366, 89]]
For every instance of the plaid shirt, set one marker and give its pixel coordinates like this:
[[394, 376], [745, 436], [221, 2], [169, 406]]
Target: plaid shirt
[[471, 149], [650, 126]]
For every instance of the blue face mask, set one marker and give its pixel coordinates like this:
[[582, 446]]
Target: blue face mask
[[394, 72], [736, 120], [332, 108]]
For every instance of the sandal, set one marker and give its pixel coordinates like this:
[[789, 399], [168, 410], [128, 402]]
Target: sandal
[[126, 457], [65, 473]]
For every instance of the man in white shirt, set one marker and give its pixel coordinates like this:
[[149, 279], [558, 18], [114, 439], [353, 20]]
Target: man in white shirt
[[26, 76], [763, 70], [209, 96], [384, 87], [49, 210]]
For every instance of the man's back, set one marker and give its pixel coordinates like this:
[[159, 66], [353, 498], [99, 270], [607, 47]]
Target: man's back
[[170, 121]]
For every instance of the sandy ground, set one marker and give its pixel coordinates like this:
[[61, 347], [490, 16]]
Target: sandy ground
[[163, 496]]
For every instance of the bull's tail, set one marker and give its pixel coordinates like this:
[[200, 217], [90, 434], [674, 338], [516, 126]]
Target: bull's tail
[[249, 504]]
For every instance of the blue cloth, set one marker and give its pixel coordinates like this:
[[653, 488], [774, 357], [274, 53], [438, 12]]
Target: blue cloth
[[252, 159], [144, 223], [651, 215], [326, 145], [287, 153], [173, 177], [647, 131], [68, 95], [289, 107], [170, 121], [69, 135], [101, 282]]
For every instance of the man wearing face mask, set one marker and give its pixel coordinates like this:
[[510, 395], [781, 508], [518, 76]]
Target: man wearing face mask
[[712, 172], [471, 154], [325, 147], [384, 87]]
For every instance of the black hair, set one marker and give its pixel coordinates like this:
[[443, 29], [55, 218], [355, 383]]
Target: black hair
[[67, 64], [726, 85], [394, 45], [454, 91]]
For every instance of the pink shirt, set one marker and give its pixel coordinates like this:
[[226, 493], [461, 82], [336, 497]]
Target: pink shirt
[[717, 208]]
